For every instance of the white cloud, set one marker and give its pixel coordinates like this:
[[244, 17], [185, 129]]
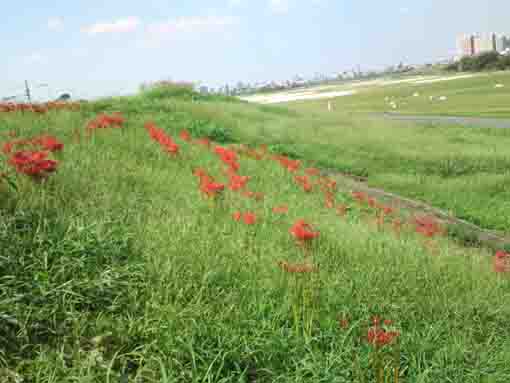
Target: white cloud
[[234, 3], [279, 6], [128, 24], [189, 25], [55, 23]]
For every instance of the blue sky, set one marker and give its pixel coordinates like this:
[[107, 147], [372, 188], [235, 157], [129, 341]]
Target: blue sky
[[94, 48]]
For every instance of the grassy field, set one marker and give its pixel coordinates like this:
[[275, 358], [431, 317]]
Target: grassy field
[[117, 267], [463, 97]]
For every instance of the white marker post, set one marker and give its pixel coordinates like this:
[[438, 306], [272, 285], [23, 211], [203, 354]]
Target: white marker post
[[329, 106]]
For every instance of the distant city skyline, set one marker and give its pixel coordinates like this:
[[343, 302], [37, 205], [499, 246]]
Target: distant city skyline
[[476, 43], [98, 48]]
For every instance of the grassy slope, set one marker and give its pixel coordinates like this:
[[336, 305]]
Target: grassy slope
[[464, 98], [118, 259], [457, 169]]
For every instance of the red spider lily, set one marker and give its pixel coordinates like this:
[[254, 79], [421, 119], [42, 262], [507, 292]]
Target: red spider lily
[[162, 138], [287, 163], [280, 209], [304, 182], [185, 135], [386, 210], [359, 196], [49, 143], [502, 262], [327, 184], [300, 268], [37, 108], [211, 189], [372, 202], [228, 157], [249, 218], [302, 231], [312, 171], [388, 322], [380, 337], [103, 121], [34, 164], [237, 182], [428, 226], [203, 142]]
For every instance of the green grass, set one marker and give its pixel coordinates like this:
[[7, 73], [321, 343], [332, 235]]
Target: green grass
[[118, 266], [464, 96]]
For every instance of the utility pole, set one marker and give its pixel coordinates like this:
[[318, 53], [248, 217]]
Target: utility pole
[[27, 91]]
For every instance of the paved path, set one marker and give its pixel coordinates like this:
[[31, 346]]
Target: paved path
[[471, 122]]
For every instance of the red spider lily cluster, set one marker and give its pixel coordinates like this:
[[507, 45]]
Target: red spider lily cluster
[[229, 158], [104, 121], [33, 160], [207, 185], [291, 165], [379, 336], [47, 143], [428, 226], [165, 141], [303, 232], [33, 164], [37, 108], [248, 218], [502, 262], [237, 182], [304, 182]]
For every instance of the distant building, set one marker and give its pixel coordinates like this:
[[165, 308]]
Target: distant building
[[485, 43], [466, 45], [470, 45]]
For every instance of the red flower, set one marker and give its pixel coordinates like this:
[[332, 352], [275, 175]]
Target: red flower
[[302, 231], [359, 196], [237, 182], [184, 135], [380, 337], [249, 218], [280, 209], [49, 143], [312, 171], [212, 188], [33, 164], [502, 262]]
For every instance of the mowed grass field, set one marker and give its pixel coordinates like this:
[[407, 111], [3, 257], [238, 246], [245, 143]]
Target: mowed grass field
[[118, 269], [482, 95]]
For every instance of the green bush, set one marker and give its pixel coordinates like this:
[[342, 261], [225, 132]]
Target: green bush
[[481, 62]]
